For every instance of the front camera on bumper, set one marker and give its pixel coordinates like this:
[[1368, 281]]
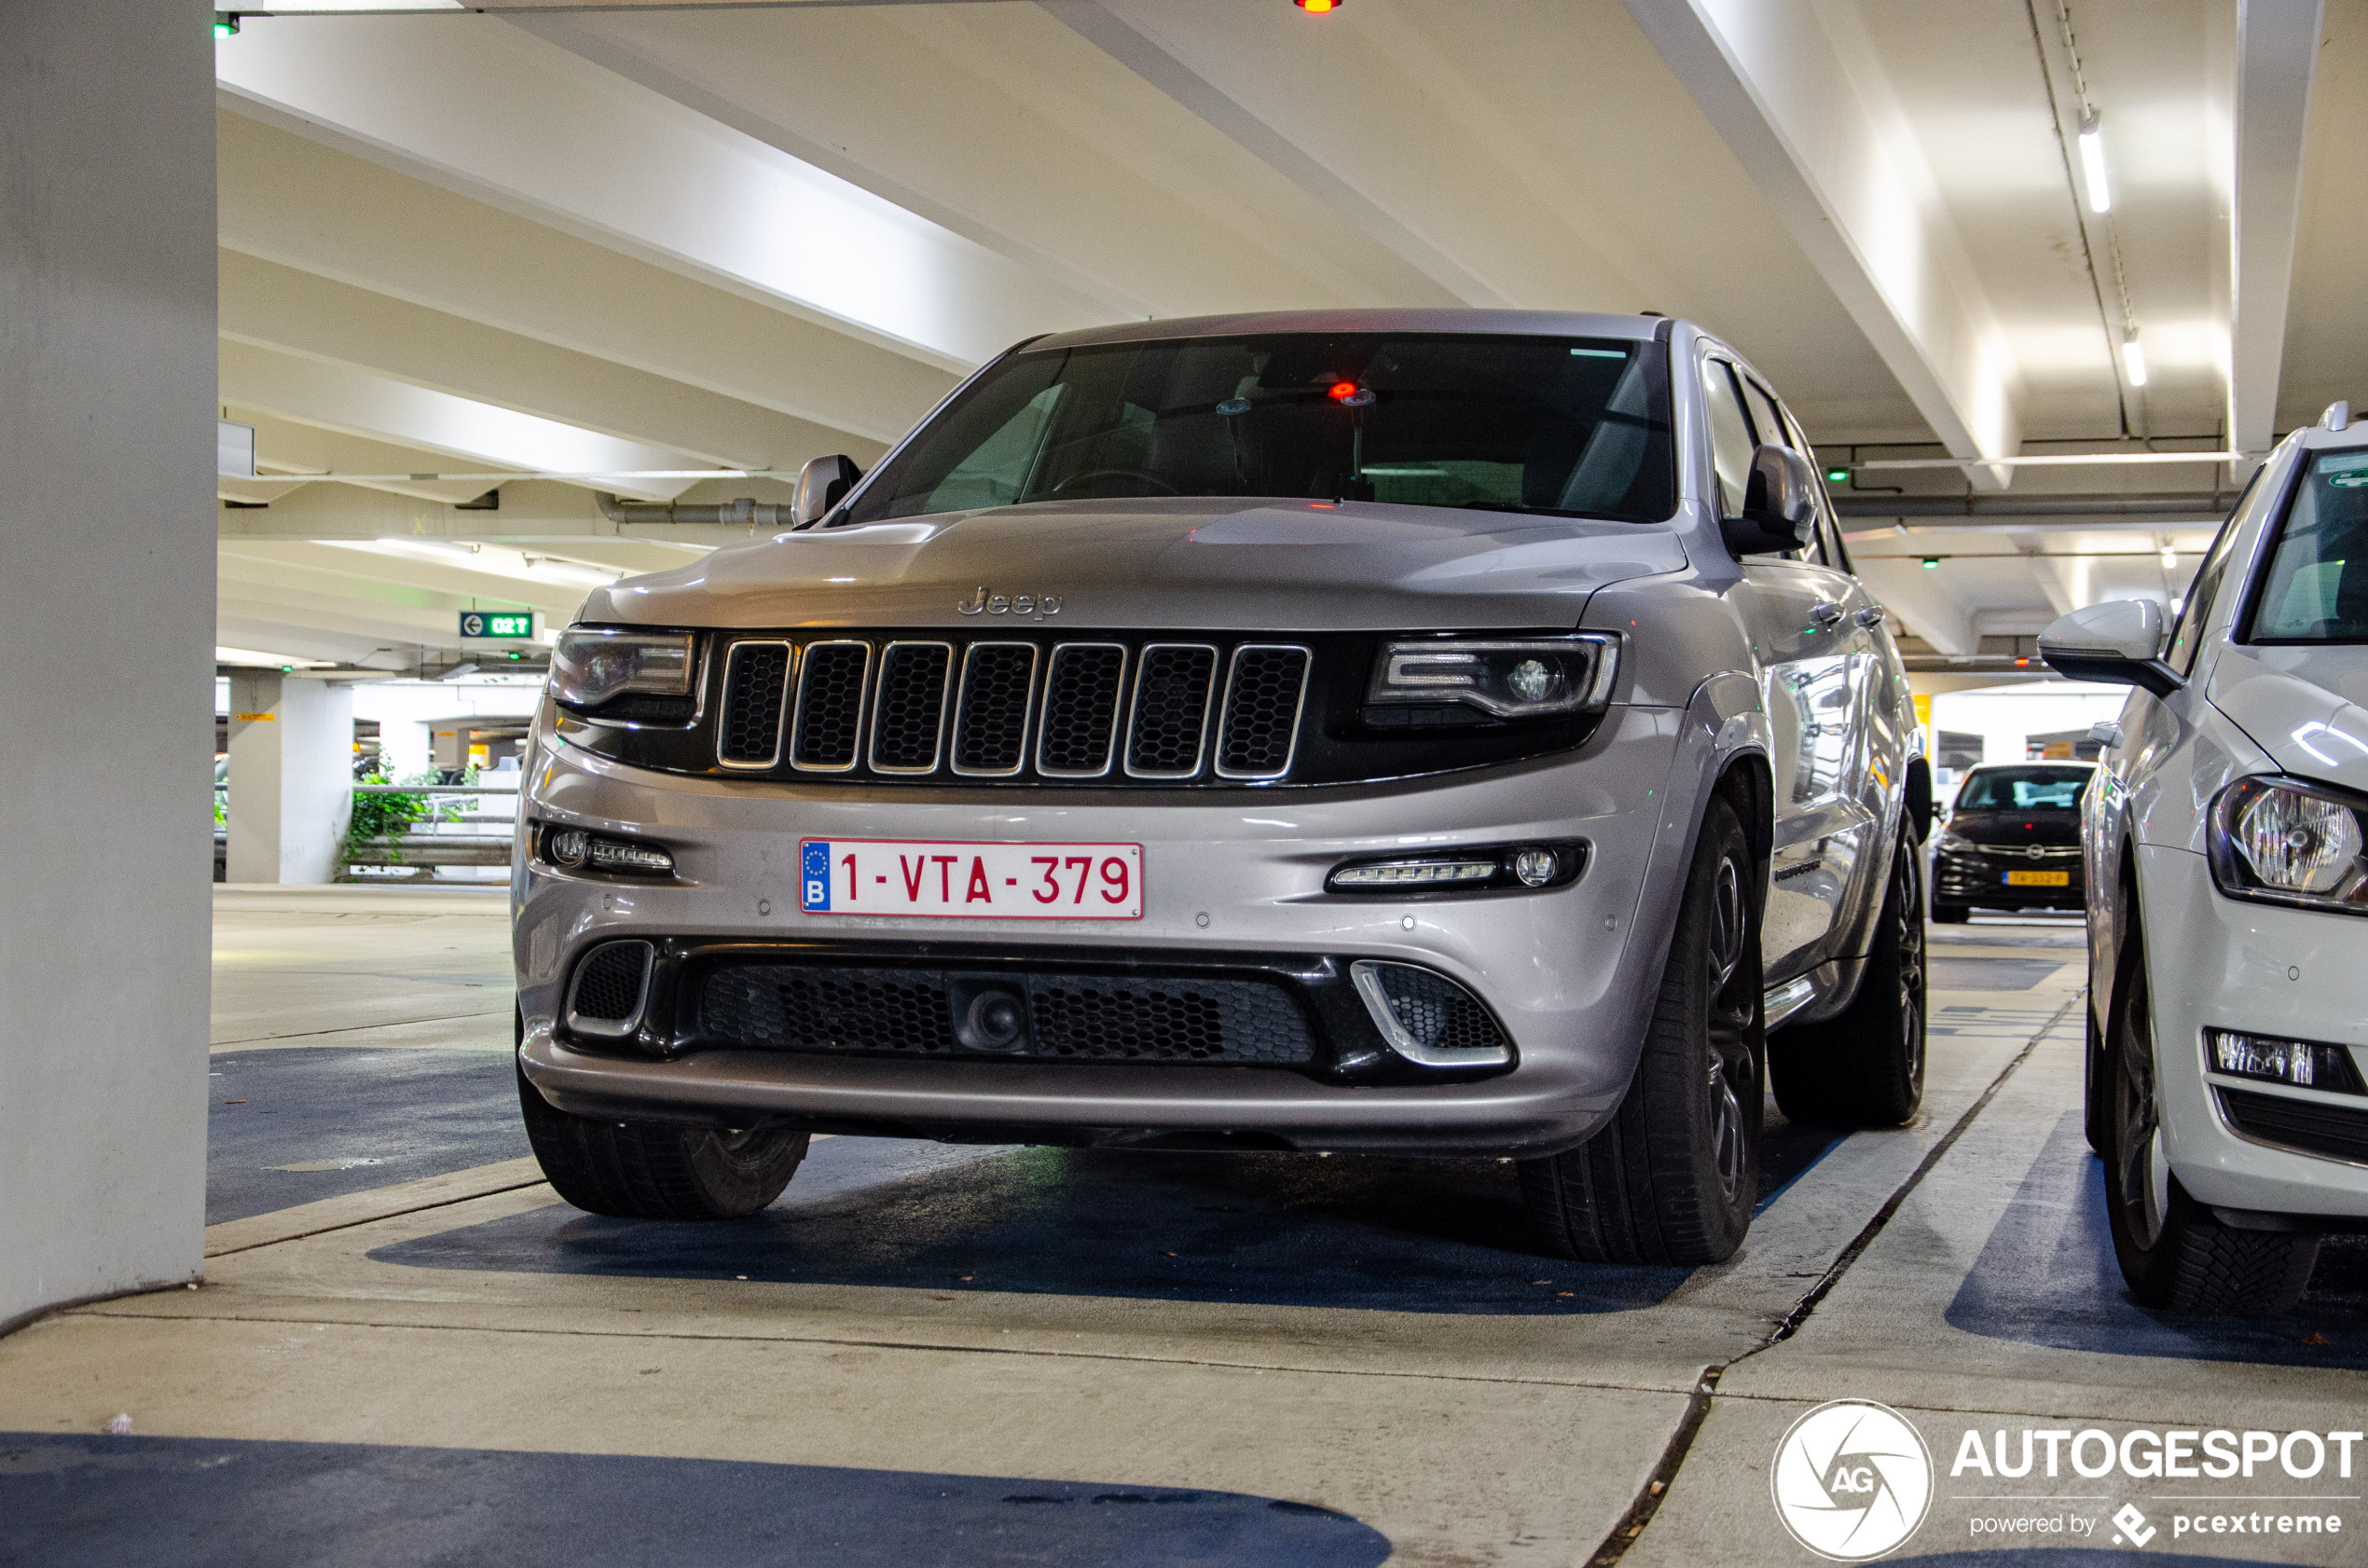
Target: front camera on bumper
[[1524, 865], [574, 849]]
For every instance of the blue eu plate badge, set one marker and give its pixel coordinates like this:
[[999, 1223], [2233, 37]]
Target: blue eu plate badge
[[814, 877]]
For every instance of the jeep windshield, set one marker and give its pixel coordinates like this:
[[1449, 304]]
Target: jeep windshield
[[1560, 426]]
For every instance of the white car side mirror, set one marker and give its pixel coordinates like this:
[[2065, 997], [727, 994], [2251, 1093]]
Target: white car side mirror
[[2118, 642]]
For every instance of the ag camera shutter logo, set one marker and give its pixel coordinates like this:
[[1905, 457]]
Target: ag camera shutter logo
[[1852, 1480]]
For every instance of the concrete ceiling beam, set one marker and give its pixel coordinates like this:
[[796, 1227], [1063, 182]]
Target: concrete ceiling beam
[[315, 209], [1924, 604], [2277, 58], [345, 398], [533, 512], [1796, 90], [487, 109], [271, 306]]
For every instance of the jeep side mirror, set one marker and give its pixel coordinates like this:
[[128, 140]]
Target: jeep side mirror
[[2118, 642], [822, 484], [1779, 505]]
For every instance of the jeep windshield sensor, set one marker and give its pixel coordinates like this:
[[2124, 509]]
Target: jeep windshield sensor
[[1551, 426]]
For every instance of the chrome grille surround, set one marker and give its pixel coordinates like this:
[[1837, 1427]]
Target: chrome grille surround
[[910, 706], [1264, 678], [1084, 699], [831, 741], [989, 670], [1175, 688], [756, 689]]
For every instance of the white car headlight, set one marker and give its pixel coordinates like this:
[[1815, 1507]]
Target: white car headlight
[[590, 665], [2289, 842]]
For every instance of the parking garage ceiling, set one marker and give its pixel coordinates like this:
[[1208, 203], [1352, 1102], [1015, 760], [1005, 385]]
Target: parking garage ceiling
[[546, 239]]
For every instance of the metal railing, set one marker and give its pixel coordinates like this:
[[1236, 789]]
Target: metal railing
[[450, 836]]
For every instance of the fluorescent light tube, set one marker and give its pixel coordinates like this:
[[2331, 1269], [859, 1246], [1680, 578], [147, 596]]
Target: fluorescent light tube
[[2092, 164], [2133, 359]]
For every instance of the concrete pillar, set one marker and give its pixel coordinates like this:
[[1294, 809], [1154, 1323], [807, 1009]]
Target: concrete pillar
[[107, 528], [403, 747], [291, 777]]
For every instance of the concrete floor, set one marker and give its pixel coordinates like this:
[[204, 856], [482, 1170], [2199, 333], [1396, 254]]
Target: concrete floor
[[407, 1351]]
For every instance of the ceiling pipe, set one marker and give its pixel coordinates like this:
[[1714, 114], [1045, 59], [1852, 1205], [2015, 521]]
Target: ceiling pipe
[[747, 512], [2197, 508]]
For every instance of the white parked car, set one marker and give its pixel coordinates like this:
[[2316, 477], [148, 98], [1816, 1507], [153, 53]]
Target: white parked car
[[2228, 895]]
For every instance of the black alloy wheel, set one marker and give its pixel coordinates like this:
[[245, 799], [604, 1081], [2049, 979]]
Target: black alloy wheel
[[2175, 1254], [1674, 1176], [1864, 1066]]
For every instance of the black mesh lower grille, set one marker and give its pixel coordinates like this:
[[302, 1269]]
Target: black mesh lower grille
[[1081, 708], [1171, 710], [990, 721], [911, 710], [607, 985], [1262, 711], [908, 1012], [2312, 1126], [830, 704], [1439, 1014], [756, 675]]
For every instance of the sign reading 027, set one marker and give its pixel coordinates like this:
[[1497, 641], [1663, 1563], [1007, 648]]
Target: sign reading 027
[[497, 622]]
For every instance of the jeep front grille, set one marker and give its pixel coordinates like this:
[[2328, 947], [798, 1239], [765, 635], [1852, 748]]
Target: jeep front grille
[[830, 705], [1263, 699], [1073, 711], [756, 678]]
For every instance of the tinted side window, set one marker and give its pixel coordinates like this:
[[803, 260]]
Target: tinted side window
[[1730, 436], [1765, 418], [2187, 632]]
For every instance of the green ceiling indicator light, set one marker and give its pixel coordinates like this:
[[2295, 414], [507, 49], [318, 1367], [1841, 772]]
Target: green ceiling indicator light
[[226, 24], [1932, 563], [1838, 476], [514, 625]]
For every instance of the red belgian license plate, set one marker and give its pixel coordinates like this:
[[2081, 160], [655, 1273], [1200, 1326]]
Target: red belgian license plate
[[970, 881]]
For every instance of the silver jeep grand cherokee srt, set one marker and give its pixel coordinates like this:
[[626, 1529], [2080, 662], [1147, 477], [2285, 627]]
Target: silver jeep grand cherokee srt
[[1442, 733]]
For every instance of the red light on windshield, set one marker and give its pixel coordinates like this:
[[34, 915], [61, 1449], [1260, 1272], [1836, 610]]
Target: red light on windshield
[[1341, 392]]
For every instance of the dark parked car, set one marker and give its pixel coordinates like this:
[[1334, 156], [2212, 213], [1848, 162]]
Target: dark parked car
[[2013, 842]]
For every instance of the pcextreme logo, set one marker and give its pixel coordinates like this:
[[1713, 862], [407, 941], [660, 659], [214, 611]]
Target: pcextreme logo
[[1852, 1480]]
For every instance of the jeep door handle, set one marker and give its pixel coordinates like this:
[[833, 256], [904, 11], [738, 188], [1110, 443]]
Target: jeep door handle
[[1870, 617], [1827, 614]]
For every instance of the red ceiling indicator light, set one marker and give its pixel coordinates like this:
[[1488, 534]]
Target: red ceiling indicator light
[[1317, 8]]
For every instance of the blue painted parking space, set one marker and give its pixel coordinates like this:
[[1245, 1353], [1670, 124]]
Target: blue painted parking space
[[347, 1118], [1388, 1234], [2047, 1276], [83, 1501]]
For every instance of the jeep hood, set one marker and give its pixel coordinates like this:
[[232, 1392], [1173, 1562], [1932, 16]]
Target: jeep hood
[[1218, 564], [2307, 707]]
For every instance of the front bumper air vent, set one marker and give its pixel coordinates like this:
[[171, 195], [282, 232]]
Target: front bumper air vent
[[1428, 1018], [610, 989]]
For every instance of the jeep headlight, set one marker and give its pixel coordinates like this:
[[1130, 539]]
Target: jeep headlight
[[1526, 678], [2289, 842], [591, 665]]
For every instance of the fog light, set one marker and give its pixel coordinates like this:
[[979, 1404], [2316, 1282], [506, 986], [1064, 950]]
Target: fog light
[[614, 853], [1535, 867], [573, 849], [2302, 1063], [1414, 873]]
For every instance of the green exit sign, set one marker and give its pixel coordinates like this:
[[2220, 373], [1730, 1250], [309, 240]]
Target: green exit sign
[[518, 624]]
